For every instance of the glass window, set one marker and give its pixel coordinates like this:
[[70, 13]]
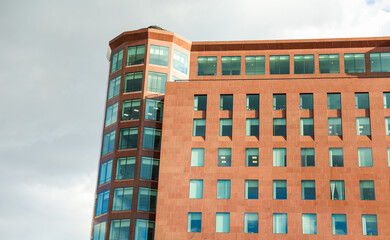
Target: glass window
[[133, 82], [354, 63], [199, 128], [223, 189], [279, 64], [123, 198], [279, 157], [196, 189], [280, 223], [307, 157], [307, 127], [367, 190], [226, 102], [197, 157], [128, 138], [125, 168], [159, 55], [225, 127], [361, 101], [207, 66], [156, 82], [99, 231], [147, 199], [336, 158], [279, 101], [152, 138], [149, 168], [131, 109], [306, 101], [337, 190], [279, 189], [363, 126], [387, 125], [334, 101], [102, 203], [222, 222], [194, 222], [308, 189], [386, 99], [252, 127], [120, 229], [252, 102], [251, 222], [108, 143], [254, 65], [105, 172], [111, 114], [114, 87], [135, 55], [231, 65], [251, 157], [380, 62], [144, 229], [329, 63], [334, 127], [370, 226], [309, 223], [116, 60], [200, 102], [339, 224], [251, 189], [279, 128], [154, 109], [224, 157], [303, 64], [365, 157], [180, 61]]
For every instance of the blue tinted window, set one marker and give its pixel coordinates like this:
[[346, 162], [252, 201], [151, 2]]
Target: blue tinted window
[[105, 172]]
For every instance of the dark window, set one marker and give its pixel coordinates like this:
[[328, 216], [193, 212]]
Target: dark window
[[108, 143], [199, 128], [133, 82], [152, 138], [251, 189], [224, 157], [329, 63], [361, 101], [125, 168], [200, 102], [367, 190], [336, 158], [306, 101], [334, 101], [128, 138], [131, 109], [370, 225], [231, 65], [255, 65], [225, 127], [154, 109], [279, 101], [194, 222], [147, 199], [251, 157], [303, 64], [307, 157], [334, 127], [226, 102], [207, 66], [252, 102], [144, 229], [251, 222], [149, 168], [386, 99], [308, 189], [135, 55], [279, 64], [252, 127], [339, 224], [279, 189], [354, 63], [307, 127], [279, 127], [380, 62]]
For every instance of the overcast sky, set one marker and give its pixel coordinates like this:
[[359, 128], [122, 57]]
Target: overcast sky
[[53, 73]]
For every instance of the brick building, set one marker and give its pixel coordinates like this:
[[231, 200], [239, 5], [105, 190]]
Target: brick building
[[285, 139]]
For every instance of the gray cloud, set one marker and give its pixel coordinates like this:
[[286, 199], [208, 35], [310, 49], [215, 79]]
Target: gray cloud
[[53, 75]]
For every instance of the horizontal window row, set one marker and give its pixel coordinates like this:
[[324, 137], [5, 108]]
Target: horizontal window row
[[131, 110], [123, 199], [279, 157], [303, 64], [309, 223], [120, 230], [308, 189], [158, 55], [128, 139], [279, 101], [125, 169], [363, 127]]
